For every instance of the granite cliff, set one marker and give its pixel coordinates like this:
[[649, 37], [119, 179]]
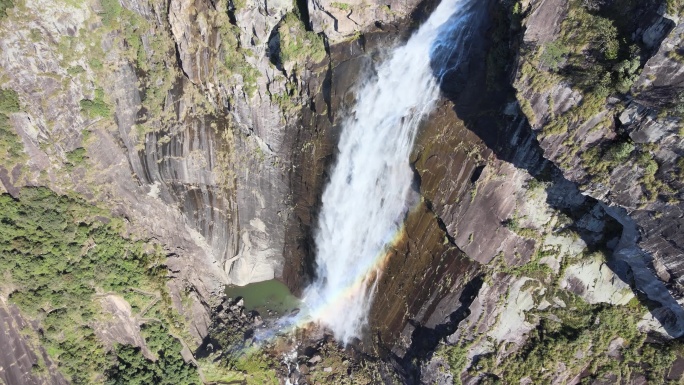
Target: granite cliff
[[549, 176]]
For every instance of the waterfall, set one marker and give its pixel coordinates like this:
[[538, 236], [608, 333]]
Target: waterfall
[[367, 198]]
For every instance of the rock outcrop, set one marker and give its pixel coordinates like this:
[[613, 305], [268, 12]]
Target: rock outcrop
[[340, 20], [622, 150], [22, 359]]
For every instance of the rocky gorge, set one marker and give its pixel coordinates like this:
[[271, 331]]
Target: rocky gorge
[[545, 246]]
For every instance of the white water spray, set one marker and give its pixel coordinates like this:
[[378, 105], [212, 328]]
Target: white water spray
[[367, 198]]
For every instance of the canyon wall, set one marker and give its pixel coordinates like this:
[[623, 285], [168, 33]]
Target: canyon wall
[[210, 126]]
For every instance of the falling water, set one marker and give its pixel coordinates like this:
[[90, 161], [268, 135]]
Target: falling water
[[367, 198]]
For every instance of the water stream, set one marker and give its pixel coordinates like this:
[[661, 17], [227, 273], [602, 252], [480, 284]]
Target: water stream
[[370, 188]]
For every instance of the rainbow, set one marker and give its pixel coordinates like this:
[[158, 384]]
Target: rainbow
[[287, 325]]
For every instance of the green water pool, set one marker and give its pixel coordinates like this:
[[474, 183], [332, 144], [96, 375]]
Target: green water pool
[[270, 295]]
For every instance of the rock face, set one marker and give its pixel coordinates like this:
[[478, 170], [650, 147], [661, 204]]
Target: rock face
[[217, 126], [23, 360], [502, 203], [342, 20], [207, 139], [581, 134], [209, 183], [122, 327], [596, 283]]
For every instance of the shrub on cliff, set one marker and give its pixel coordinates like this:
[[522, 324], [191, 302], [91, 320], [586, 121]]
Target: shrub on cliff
[[11, 147], [599, 57], [96, 107], [577, 340], [297, 44], [620, 151], [675, 7], [4, 6], [111, 10], [9, 101], [553, 55]]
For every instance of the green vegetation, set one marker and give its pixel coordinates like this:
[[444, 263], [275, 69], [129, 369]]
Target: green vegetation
[[11, 147], [675, 7], [625, 73], [237, 363], [649, 167], [573, 340], [96, 107], [9, 101], [594, 46], [457, 357], [297, 44], [77, 157], [676, 107], [527, 109], [259, 366], [577, 339], [155, 62], [4, 6], [553, 55], [111, 10], [592, 54], [237, 70], [341, 6], [95, 64], [513, 225], [343, 369], [58, 254], [75, 70], [533, 269], [35, 35], [620, 151], [286, 99], [600, 160], [132, 368]]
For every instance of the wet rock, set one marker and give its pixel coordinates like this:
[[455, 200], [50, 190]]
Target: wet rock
[[258, 321]]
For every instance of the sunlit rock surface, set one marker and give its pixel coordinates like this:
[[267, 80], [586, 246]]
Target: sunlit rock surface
[[228, 169]]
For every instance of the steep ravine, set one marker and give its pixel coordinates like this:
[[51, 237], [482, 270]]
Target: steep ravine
[[208, 128]]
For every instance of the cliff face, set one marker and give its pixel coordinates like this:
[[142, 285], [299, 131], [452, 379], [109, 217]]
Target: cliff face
[[618, 138], [24, 362], [184, 123], [192, 148], [210, 126], [594, 157]]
